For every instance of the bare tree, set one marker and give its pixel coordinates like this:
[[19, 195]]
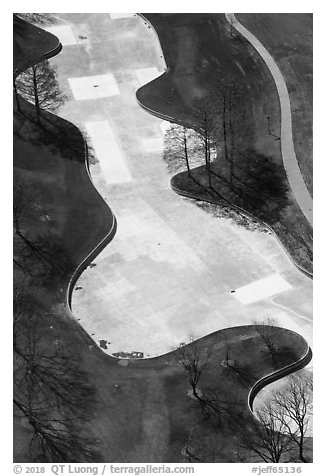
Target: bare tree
[[54, 439], [35, 254], [266, 435], [50, 390], [16, 96], [268, 332], [185, 148], [230, 91], [213, 404], [194, 360], [181, 148], [218, 114], [235, 368], [279, 350], [38, 18], [206, 113], [39, 86], [294, 409], [42, 257], [205, 448]]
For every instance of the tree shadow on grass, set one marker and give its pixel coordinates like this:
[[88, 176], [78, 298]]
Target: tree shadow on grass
[[58, 135], [261, 184], [260, 190], [259, 187]]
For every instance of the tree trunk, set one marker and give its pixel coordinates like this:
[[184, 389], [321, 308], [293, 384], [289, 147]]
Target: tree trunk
[[186, 150], [37, 104], [224, 129], [17, 97], [231, 130], [231, 154], [208, 159], [301, 457]]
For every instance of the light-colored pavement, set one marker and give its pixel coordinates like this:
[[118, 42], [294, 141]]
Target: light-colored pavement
[[168, 274], [291, 165], [105, 144], [64, 32]]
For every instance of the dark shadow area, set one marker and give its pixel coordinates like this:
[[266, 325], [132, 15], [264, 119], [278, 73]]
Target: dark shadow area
[[52, 393], [260, 188]]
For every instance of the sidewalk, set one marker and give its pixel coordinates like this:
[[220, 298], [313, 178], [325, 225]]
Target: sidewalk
[[291, 165]]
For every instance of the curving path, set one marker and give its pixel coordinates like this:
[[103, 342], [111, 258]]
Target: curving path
[[153, 413], [291, 165], [129, 299]]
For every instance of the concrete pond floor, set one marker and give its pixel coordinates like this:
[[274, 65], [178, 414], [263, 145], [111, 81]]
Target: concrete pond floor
[[173, 272]]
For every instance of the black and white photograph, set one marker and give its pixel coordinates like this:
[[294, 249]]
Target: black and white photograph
[[162, 241]]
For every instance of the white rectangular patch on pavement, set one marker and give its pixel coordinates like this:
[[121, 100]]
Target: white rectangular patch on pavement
[[261, 289], [115, 16], [115, 290], [64, 33], [155, 144], [145, 75], [108, 152], [93, 87]]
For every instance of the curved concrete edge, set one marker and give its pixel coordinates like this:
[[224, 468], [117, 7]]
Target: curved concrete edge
[[101, 245], [290, 161], [111, 233], [160, 115], [108, 238], [38, 58], [273, 377], [144, 18], [89, 258], [173, 120], [250, 216]]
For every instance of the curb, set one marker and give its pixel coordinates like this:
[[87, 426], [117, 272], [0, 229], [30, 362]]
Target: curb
[[144, 18], [110, 234], [264, 381], [101, 245], [56, 50], [173, 120], [164, 117], [273, 377]]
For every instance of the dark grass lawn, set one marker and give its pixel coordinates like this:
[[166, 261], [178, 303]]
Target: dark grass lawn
[[192, 43], [49, 163], [288, 38], [143, 413], [196, 46], [30, 44]]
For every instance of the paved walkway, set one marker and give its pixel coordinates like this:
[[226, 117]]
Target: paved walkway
[[168, 274], [291, 165]]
